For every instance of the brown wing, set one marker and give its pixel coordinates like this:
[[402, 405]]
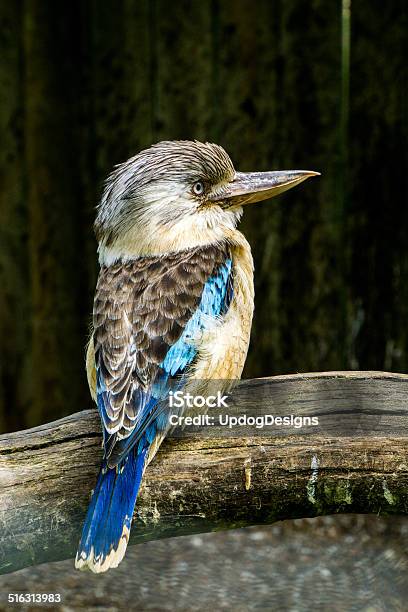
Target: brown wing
[[141, 309]]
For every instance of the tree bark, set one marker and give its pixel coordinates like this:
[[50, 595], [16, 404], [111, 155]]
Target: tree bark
[[354, 460]]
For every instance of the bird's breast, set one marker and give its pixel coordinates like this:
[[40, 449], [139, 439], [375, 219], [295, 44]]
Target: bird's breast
[[223, 349]]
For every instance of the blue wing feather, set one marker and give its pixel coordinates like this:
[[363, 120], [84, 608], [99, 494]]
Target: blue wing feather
[[215, 300]]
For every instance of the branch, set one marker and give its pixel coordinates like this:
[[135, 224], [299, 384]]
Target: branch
[[356, 460]]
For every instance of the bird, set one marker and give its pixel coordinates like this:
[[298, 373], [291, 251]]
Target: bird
[[173, 306]]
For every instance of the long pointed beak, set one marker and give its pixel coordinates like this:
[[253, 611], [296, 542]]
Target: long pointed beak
[[250, 187]]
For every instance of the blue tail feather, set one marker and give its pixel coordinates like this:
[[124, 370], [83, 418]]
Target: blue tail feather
[[107, 525]]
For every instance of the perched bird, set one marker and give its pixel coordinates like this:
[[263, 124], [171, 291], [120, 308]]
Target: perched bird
[[173, 303]]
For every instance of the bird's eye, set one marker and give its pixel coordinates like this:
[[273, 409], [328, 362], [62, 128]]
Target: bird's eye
[[198, 188]]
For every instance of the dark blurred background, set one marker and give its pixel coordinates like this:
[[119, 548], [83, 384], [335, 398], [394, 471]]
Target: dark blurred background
[[280, 84]]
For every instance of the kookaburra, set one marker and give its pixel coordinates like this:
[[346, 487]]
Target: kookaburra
[[173, 306]]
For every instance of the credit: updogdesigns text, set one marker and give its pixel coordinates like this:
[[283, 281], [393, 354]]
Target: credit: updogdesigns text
[[243, 420]]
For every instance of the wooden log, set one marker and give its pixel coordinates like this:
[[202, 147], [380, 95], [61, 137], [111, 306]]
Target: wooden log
[[354, 460]]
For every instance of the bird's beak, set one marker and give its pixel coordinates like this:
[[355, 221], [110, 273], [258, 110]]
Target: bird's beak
[[250, 187]]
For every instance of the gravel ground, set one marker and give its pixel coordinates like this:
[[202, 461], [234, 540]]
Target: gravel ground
[[336, 564]]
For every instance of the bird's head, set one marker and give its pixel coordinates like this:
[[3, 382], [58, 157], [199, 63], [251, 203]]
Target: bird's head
[[177, 195]]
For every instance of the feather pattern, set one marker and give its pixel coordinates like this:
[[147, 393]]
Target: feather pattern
[[148, 314]]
